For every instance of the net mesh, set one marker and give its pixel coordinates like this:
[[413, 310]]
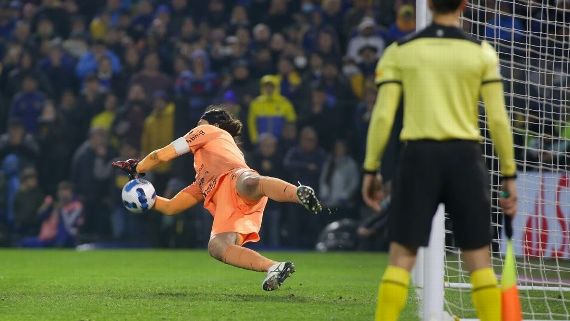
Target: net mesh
[[533, 41]]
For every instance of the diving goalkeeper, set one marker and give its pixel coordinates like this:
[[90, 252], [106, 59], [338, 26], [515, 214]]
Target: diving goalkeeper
[[232, 192], [441, 72]]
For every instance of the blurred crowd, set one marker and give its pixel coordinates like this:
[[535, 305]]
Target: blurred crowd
[[86, 82]]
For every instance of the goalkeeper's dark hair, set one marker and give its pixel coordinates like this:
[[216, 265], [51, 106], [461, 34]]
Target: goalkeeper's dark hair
[[446, 6], [218, 116]]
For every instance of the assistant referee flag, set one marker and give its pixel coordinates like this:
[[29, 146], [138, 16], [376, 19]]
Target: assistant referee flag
[[510, 294]]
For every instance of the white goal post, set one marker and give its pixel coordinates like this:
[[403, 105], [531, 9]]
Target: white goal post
[[533, 41]]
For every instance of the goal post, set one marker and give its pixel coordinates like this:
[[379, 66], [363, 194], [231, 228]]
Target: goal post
[[533, 41]]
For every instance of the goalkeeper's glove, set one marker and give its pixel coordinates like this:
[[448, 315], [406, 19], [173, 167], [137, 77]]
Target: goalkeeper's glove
[[129, 166]]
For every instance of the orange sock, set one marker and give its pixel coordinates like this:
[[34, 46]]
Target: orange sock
[[246, 259], [278, 190]]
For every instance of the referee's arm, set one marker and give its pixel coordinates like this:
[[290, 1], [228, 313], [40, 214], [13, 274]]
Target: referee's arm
[[389, 93], [493, 96], [381, 123]]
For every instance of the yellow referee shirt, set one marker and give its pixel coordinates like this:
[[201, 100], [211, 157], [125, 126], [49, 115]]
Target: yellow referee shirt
[[442, 73]]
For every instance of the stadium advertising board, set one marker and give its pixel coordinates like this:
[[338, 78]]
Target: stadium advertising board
[[541, 228]]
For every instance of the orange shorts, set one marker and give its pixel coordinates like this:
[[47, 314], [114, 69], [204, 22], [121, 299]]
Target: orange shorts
[[231, 212]]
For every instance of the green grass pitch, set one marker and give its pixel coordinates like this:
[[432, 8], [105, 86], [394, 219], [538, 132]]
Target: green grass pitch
[[184, 285]]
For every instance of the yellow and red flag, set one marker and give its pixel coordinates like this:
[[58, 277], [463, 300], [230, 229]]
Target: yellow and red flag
[[511, 305]]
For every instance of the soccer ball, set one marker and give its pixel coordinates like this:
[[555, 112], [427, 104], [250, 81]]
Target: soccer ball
[[138, 195]]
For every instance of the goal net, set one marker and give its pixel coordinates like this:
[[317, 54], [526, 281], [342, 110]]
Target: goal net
[[533, 41]]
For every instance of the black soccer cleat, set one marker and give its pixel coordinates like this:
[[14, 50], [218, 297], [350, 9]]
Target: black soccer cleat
[[277, 274], [308, 199]]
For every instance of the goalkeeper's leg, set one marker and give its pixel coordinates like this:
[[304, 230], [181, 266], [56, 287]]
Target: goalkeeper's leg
[[226, 247], [393, 291], [252, 186], [486, 294]]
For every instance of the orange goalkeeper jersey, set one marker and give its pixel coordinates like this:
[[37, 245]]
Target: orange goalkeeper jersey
[[215, 154]]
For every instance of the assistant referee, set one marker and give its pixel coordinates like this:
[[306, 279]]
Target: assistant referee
[[440, 72]]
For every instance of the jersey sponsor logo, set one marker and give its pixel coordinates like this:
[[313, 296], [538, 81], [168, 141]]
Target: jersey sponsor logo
[[211, 186], [193, 136]]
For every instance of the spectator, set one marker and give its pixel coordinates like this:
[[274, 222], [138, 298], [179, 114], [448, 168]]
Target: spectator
[[58, 67], [332, 12], [55, 149], [337, 88], [372, 230], [339, 180], [90, 103], [60, 220], [22, 34], [124, 225], [368, 35], [27, 202], [10, 184], [8, 19], [289, 138], [141, 20], [362, 120], [71, 116], [55, 13], [28, 104], [278, 16], [266, 158], [106, 118], [19, 143], [262, 63], [90, 174], [323, 115], [368, 56], [150, 77], [187, 31], [405, 23], [89, 62], [261, 36], [328, 45], [158, 131], [269, 111], [353, 74], [277, 46], [231, 104], [242, 85], [216, 14], [268, 162], [258, 10], [131, 64], [26, 67], [239, 18], [180, 12], [289, 79], [304, 161], [129, 121], [199, 84], [105, 75], [359, 10]]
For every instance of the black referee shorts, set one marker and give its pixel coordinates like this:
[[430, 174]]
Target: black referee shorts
[[434, 172]]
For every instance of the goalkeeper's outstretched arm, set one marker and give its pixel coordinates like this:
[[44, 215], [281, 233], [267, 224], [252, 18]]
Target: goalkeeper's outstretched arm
[[157, 157], [179, 203]]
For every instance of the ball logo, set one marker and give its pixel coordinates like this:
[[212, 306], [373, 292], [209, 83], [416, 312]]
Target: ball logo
[[142, 198]]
